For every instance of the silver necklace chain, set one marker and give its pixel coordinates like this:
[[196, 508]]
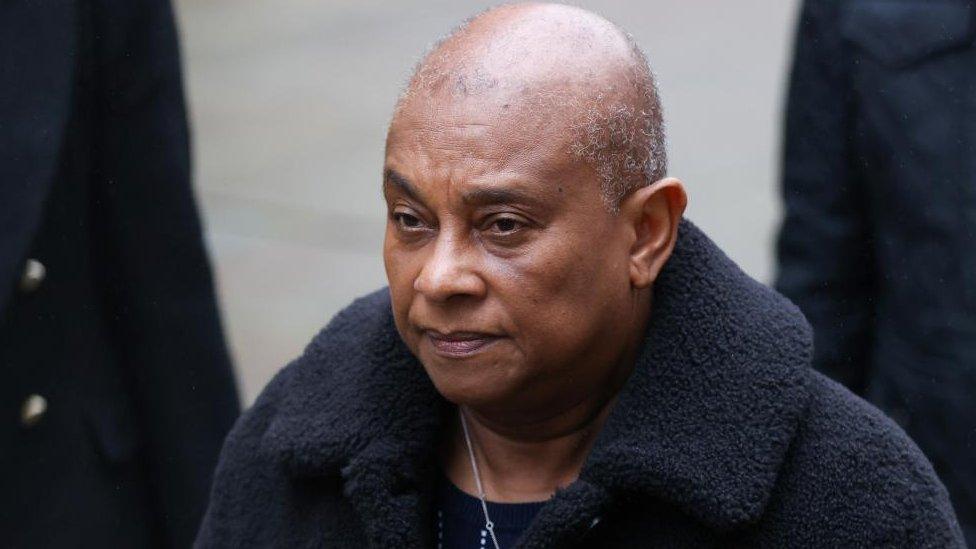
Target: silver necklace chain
[[489, 525]]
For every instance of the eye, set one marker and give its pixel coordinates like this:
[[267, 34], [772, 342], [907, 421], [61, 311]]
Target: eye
[[505, 225], [407, 222]]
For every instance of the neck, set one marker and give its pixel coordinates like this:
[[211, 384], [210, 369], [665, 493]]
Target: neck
[[523, 463], [527, 457]]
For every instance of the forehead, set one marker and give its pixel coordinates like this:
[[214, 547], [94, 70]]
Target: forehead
[[483, 136]]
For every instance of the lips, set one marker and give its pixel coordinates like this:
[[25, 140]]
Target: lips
[[459, 344]]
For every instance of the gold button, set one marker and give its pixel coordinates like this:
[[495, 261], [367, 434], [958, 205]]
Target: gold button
[[32, 411], [34, 273]]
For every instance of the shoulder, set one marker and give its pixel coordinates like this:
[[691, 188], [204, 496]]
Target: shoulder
[[359, 329], [896, 32], [253, 468], [244, 474], [846, 436], [854, 477]]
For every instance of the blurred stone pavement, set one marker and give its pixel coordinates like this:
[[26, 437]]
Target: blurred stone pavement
[[289, 101]]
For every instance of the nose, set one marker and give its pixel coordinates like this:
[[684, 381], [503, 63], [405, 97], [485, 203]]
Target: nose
[[450, 271]]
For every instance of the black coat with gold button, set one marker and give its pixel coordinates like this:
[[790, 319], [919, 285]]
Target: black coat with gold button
[[117, 387], [878, 244]]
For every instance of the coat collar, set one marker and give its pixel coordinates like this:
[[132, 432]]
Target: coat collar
[[704, 422]]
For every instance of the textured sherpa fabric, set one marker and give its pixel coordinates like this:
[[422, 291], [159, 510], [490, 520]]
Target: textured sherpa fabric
[[722, 436]]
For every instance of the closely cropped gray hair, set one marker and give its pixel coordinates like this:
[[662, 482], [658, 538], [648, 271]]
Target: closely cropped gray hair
[[624, 143]]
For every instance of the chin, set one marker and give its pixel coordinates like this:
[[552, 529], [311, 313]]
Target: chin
[[469, 384]]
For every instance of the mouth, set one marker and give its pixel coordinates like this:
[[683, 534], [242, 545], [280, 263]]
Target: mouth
[[459, 344]]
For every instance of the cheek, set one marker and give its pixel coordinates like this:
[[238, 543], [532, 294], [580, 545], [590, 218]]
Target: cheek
[[397, 265], [403, 261], [400, 274], [561, 296]]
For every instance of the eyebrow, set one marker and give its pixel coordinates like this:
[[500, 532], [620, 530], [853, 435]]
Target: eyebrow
[[486, 196], [478, 197], [401, 183]]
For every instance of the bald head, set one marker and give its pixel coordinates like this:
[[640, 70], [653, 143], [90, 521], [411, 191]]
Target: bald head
[[549, 68]]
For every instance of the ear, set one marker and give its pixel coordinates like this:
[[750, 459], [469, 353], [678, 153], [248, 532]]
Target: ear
[[653, 213]]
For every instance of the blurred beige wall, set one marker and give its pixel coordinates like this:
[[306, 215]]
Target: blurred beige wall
[[289, 100]]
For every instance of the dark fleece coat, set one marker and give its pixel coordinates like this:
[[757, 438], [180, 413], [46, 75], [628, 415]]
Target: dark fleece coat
[[723, 436]]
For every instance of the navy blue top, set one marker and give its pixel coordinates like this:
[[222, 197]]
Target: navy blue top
[[459, 521]]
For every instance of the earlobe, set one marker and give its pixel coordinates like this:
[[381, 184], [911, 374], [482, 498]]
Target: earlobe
[[655, 212]]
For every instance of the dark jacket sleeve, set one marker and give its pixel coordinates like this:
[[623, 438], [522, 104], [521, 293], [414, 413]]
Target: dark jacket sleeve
[[164, 306], [825, 243]]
